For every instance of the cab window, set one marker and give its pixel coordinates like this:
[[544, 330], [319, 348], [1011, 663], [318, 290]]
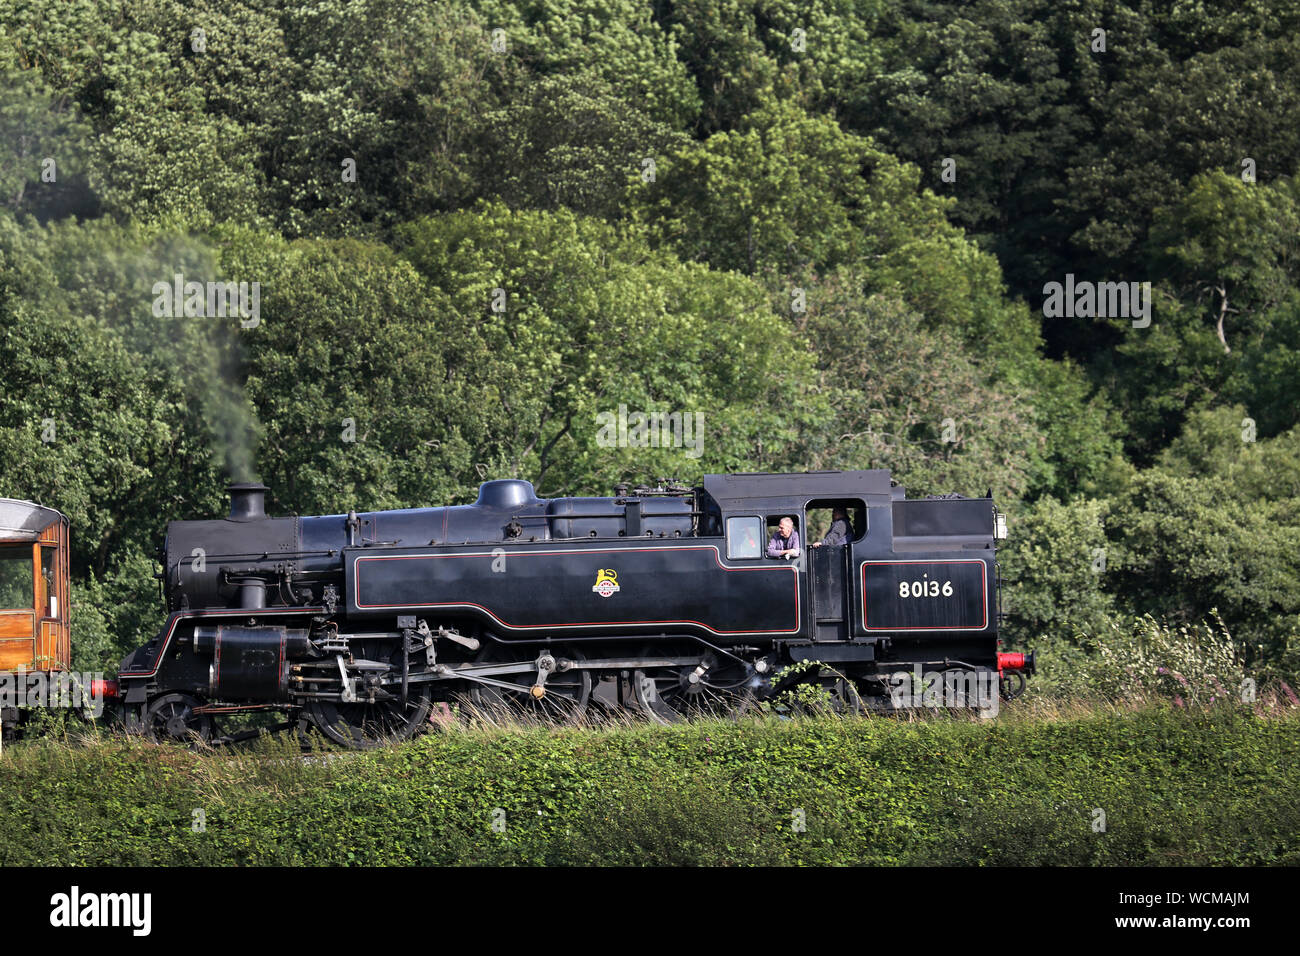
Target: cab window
[[821, 520], [744, 537]]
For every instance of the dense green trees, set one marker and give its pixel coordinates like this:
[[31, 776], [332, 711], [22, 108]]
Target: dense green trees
[[588, 318], [479, 225], [1215, 525]]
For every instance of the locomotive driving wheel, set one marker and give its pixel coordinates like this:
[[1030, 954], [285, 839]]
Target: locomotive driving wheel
[[820, 690], [365, 726], [171, 719], [717, 686], [562, 698], [846, 696]]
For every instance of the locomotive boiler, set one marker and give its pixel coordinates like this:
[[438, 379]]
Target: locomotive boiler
[[664, 601]]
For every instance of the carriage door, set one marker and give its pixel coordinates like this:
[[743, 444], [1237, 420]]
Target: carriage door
[[828, 564]]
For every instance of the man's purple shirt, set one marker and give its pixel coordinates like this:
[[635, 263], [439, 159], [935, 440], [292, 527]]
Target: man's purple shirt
[[778, 544]]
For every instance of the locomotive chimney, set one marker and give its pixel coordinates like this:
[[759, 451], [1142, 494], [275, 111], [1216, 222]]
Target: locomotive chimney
[[247, 501]]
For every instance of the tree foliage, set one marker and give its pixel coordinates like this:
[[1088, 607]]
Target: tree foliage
[[479, 227]]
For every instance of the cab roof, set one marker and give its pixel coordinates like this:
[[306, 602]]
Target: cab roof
[[745, 489]]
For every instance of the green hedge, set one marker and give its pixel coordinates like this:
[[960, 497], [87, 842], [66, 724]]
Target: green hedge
[[1177, 787]]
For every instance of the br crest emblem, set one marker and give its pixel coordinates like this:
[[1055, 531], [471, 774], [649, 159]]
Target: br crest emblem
[[606, 582]]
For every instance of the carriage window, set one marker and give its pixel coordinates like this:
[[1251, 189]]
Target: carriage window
[[744, 537], [16, 583], [49, 588]]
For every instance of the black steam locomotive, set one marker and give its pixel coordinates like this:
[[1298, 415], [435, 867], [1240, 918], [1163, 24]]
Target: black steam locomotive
[[663, 601]]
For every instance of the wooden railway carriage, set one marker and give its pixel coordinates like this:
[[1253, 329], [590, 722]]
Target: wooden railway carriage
[[34, 631], [663, 600]]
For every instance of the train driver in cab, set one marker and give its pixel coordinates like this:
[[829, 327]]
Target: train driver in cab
[[841, 532], [784, 542]]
